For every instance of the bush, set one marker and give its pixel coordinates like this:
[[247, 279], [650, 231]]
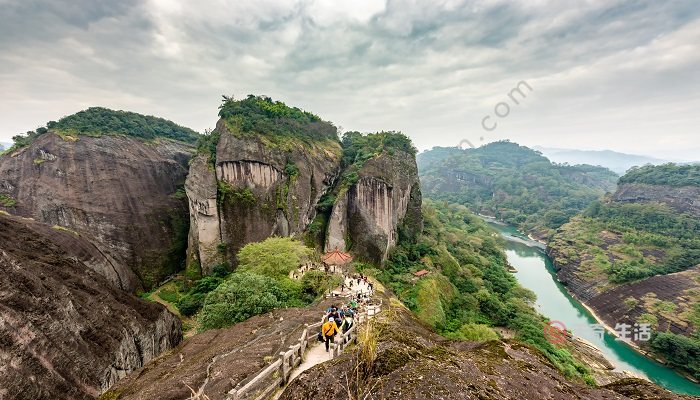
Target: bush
[[275, 257], [475, 333], [190, 304], [240, 297]]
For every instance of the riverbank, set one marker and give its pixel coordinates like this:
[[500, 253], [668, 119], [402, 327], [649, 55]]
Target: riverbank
[[556, 302], [633, 346]]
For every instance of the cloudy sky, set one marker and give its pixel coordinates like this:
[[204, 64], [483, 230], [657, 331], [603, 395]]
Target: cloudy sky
[[622, 75]]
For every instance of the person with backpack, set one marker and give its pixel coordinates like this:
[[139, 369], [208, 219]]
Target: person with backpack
[[335, 316], [329, 330]]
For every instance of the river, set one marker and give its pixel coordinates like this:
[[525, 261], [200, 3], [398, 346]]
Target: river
[[535, 272]]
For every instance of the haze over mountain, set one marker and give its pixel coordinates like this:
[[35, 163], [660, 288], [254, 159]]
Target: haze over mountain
[[613, 160]]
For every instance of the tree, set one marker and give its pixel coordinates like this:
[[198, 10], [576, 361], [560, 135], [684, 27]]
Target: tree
[[242, 296], [275, 257]]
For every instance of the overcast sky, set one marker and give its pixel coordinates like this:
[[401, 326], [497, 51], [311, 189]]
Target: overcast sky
[[621, 75]]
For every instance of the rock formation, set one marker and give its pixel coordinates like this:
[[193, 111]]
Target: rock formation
[[370, 214], [66, 332], [254, 191], [119, 191]]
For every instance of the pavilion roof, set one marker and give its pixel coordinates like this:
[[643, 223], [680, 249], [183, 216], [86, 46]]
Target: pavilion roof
[[336, 257]]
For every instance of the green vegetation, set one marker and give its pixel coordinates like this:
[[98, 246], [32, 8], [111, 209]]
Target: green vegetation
[[468, 290], [98, 121], [260, 284], [625, 242], [240, 297], [358, 148], [7, 201], [667, 174], [513, 183], [680, 351], [228, 193], [275, 257], [282, 126]]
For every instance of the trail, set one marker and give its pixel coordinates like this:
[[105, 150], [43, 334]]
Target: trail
[[317, 352]]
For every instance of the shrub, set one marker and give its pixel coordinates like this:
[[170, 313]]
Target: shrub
[[240, 297], [190, 304]]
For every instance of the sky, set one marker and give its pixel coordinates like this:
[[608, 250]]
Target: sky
[[609, 74]]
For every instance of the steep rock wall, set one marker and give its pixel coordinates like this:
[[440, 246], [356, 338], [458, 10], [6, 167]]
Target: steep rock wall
[[116, 190], [263, 190], [684, 199], [66, 332], [205, 228], [384, 203]]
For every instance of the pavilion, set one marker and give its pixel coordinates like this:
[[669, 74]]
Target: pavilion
[[336, 258]]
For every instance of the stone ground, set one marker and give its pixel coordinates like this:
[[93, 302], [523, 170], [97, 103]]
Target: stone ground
[[317, 351]]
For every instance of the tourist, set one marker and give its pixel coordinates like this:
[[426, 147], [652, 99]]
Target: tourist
[[329, 331]]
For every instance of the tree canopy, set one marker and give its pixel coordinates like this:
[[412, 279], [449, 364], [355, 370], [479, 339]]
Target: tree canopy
[[513, 183], [666, 174]]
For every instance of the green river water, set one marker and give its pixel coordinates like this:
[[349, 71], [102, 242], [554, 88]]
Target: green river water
[[535, 272]]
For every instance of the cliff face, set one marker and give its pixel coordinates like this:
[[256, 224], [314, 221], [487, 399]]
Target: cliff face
[[118, 191], [640, 227], [684, 199], [383, 203], [67, 333], [263, 190]]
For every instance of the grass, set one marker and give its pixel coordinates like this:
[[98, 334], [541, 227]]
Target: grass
[[7, 201]]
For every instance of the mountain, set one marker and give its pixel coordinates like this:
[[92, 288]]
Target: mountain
[[269, 169], [4, 146], [513, 183], [67, 332], [634, 257], [115, 177], [615, 161]]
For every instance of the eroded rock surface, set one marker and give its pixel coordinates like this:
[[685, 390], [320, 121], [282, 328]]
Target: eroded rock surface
[[116, 190], [385, 202], [65, 331]]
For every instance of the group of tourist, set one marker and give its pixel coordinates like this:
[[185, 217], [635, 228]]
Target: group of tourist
[[337, 320]]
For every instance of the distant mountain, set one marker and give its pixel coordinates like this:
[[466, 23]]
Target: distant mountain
[[513, 183], [5, 145], [617, 162]]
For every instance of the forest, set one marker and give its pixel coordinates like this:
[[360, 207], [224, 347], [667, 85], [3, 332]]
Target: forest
[[666, 174], [514, 184], [469, 290]]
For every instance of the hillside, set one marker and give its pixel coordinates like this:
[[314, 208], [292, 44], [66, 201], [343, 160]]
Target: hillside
[[402, 359], [632, 256], [514, 184], [67, 332], [613, 160]]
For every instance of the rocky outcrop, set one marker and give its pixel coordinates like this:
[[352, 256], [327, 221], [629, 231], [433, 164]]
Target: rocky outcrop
[[684, 199], [118, 191], [385, 202], [66, 332], [415, 363], [205, 228], [264, 189], [217, 360]]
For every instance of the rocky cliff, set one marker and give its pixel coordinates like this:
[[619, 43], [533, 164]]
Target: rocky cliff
[[255, 190], [270, 166], [634, 256], [118, 191], [66, 332], [368, 216]]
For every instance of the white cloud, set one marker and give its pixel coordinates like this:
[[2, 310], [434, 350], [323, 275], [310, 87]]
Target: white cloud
[[611, 74]]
